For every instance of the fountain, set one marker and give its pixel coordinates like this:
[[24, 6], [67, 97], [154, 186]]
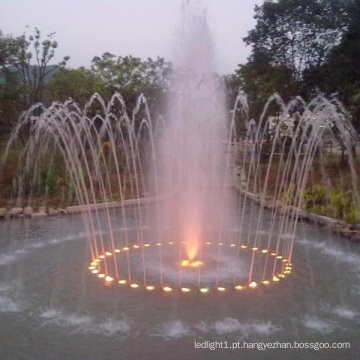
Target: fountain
[[189, 227]]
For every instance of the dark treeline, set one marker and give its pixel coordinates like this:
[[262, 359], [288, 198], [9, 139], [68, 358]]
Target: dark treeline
[[299, 47], [302, 47]]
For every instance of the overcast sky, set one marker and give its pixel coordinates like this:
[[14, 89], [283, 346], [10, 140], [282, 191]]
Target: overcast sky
[[142, 28]]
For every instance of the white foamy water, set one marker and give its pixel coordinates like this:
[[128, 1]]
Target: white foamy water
[[85, 323], [333, 251], [172, 330], [345, 313], [230, 326], [317, 325], [8, 306], [15, 255]]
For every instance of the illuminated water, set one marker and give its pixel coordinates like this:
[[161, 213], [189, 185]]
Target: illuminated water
[[50, 307]]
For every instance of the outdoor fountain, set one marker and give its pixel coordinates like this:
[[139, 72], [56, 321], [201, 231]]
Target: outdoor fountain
[[172, 209]]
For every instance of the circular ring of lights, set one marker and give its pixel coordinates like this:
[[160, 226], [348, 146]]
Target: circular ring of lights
[[95, 268]]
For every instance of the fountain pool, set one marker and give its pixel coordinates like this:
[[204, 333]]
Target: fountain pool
[[50, 307]]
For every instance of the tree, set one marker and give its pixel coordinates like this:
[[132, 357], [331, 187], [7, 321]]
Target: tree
[[340, 74], [29, 57], [131, 76], [78, 84], [292, 36]]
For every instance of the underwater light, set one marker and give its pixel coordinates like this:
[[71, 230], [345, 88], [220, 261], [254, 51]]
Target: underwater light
[[283, 268], [239, 287], [185, 289], [191, 263]]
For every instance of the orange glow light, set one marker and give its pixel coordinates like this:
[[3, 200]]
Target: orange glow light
[[167, 289], [190, 263], [253, 285]]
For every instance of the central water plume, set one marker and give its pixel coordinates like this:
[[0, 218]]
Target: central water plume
[[193, 160]]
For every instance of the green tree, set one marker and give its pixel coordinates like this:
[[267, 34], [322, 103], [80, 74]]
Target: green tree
[[29, 57], [78, 84], [24, 69], [290, 37], [340, 74], [131, 77]]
